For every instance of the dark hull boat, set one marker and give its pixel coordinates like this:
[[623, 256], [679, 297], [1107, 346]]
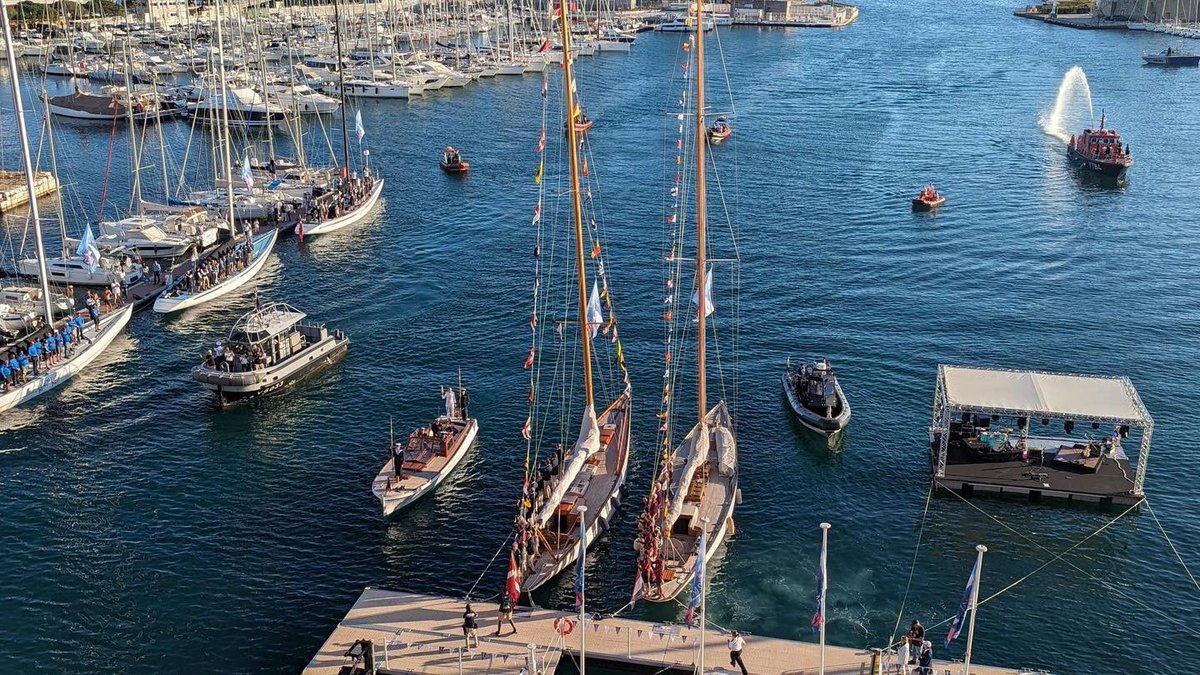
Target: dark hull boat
[[1171, 57], [816, 397]]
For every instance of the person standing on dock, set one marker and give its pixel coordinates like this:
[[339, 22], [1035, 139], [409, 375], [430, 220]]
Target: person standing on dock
[[506, 613], [156, 270], [470, 626], [736, 644], [925, 662], [916, 639]]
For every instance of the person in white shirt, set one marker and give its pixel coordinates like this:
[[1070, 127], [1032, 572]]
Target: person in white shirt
[[736, 644]]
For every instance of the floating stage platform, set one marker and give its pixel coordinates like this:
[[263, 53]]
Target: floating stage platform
[[981, 441], [410, 633], [14, 193]]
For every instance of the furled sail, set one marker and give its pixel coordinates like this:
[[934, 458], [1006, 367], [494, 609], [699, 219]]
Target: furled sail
[[708, 298], [697, 449], [587, 444], [726, 450]]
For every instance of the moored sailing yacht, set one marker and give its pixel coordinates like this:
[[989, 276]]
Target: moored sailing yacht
[[689, 512], [430, 454], [225, 270], [72, 345], [569, 497]]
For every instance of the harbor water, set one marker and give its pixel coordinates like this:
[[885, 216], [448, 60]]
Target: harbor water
[[142, 530]]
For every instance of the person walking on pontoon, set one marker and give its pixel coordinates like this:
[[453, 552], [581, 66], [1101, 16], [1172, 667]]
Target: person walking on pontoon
[[470, 626], [506, 612], [736, 644]]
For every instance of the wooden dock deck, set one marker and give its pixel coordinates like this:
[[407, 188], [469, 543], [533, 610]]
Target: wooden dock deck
[[14, 193], [415, 633]]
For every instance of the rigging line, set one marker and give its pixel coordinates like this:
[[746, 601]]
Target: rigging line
[[1171, 544], [503, 546], [1077, 568], [913, 569]]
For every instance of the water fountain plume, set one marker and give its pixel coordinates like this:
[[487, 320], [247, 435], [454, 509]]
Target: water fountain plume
[[1064, 119]]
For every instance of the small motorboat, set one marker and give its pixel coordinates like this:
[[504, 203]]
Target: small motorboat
[[430, 454], [583, 123], [452, 161], [816, 397], [720, 130], [928, 200], [1172, 56]]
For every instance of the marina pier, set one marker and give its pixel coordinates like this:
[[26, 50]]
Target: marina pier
[[414, 633]]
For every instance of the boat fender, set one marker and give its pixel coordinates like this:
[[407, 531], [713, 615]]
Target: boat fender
[[563, 626], [737, 496], [730, 526]]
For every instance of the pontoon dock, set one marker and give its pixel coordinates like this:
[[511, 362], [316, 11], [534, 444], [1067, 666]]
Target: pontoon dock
[[14, 192], [980, 439], [413, 633]]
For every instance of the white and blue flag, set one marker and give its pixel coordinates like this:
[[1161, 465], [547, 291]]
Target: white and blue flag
[[247, 174], [697, 584], [358, 127], [89, 251], [964, 605]]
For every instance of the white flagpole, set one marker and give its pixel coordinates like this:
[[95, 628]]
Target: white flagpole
[[824, 587], [974, 605], [583, 597], [703, 595]]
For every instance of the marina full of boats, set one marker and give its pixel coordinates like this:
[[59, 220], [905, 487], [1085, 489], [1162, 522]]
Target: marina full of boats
[[249, 86]]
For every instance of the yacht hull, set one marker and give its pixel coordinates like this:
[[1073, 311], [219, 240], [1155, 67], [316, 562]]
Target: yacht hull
[[347, 219], [393, 502], [177, 303]]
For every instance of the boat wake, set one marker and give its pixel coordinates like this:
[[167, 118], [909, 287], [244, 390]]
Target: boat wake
[[9, 451], [1073, 91]]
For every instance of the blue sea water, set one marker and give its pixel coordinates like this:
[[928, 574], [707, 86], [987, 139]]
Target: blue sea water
[[142, 531]]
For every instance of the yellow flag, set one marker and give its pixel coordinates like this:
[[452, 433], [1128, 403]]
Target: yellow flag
[[537, 178]]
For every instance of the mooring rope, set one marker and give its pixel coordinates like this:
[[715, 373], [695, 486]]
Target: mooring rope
[[912, 570], [490, 563], [1171, 544], [1077, 568]]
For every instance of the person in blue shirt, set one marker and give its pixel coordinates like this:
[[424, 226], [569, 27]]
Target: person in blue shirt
[[66, 339], [34, 352], [23, 360], [6, 373], [52, 348]]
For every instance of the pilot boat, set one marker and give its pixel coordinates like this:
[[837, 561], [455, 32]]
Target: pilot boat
[[269, 350], [430, 454], [928, 200], [720, 130], [1100, 151], [816, 397], [452, 161]]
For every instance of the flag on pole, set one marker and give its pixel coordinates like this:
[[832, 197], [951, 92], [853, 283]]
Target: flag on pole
[[595, 317], [964, 605], [697, 583], [822, 585], [89, 250], [512, 585], [639, 589], [579, 563], [247, 174], [358, 126]]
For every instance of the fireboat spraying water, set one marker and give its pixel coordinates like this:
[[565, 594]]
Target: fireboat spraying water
[[1073, 92]]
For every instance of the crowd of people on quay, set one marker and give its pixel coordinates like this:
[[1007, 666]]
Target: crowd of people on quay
[[35, 355]]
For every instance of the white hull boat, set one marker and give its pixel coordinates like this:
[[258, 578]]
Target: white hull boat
[[263, 244], [347, 219], [423, 475], [77, 272], [95, 342]]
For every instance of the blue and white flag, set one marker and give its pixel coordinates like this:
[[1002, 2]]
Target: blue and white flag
[[964, 605], [247, 174], [697, 583], [579, 565], [822, 585], [89, 251], [358, 127]]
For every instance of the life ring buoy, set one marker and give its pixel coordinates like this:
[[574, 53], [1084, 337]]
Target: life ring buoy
[[563, 626]]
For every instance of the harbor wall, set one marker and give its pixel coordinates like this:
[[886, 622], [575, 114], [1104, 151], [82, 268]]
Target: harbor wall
[[1164, 11]]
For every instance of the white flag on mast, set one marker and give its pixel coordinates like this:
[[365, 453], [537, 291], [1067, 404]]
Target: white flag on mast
[[595, 317], [708, 298]]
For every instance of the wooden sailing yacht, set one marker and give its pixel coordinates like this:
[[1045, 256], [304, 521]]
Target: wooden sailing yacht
[[90, 338], [570, 494], [695, 487]]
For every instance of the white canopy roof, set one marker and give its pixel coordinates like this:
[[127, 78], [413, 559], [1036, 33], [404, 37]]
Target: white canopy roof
[[1046, 394]]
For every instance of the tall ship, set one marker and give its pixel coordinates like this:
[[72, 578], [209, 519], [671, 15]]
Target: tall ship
[[689, 512], [578, 429], [1100, 151]]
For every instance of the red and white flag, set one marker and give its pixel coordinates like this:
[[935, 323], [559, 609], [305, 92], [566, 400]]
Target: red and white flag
[[512, 585]]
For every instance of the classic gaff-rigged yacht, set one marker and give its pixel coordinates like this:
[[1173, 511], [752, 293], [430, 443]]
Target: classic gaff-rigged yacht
[[591, 471], [176, 297], [269, 350], [816, 397], [695, 489], [430, 454]]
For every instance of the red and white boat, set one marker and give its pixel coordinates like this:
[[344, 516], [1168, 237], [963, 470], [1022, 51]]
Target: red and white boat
[[1100, 151]]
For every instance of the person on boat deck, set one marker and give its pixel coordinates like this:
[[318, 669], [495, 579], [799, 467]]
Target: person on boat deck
[[6, 374], [464, 400], [398, 460], [925, 661], [35, 352], [506, 613], [65, 334]]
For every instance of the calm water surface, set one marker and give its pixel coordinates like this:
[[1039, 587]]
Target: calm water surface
[[141, 530]]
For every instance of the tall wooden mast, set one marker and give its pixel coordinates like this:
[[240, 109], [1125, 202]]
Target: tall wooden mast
[[576, 202], [701, 213]]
